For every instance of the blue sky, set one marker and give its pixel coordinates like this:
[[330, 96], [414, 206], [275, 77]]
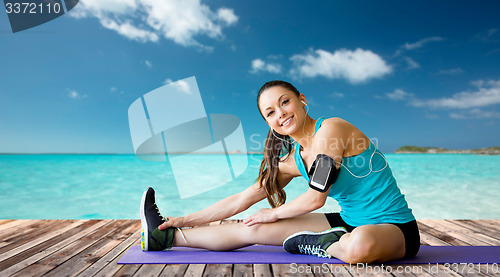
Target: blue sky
[[405, 73]]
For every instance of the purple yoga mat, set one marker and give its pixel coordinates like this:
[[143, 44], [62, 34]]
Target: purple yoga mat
[[266, 254]]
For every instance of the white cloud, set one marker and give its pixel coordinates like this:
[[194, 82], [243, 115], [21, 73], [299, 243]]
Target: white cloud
[[120, 7], [227, 15], [182, 86], [73, 94], [148, 63], [487, 93], [355, 66], [420, 43], [399, 94], [464, 104], [128, 30], [259, 65], [474, 113], [412, 46], [337, 95], [148, 20], [412, 64]]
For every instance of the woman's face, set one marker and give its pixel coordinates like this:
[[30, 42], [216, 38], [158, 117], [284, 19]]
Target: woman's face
[[282, 109]]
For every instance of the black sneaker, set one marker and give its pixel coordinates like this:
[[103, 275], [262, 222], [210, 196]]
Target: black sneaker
[[152, 238], [311, 243]]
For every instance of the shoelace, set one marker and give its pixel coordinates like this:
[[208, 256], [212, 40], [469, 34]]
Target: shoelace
[[313, 250], [165, 219]]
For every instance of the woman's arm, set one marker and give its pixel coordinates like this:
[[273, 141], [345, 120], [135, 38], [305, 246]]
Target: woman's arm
[[223, 209], [329, 140], [307, 202]]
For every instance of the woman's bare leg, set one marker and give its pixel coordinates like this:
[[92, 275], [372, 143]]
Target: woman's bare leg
[[236, 235], [370, 243], [365, 244]]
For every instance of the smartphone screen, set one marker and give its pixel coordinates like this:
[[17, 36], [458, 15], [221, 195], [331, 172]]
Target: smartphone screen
[[320, 175]]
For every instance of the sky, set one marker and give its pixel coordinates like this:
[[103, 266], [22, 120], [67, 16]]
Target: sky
[[420, 73]]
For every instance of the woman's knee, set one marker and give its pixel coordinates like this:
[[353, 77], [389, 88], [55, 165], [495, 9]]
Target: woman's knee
[[360, 248]]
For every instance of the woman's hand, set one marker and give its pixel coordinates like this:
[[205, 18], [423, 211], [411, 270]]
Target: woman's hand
[[172, 222], [262, 216]]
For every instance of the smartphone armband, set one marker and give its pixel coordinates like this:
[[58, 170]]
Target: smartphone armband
[[323, 173]]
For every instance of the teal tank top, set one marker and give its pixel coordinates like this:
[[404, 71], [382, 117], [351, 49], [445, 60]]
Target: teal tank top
[[373, 199]]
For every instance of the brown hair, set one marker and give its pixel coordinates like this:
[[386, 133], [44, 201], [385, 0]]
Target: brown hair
[[276, 147]]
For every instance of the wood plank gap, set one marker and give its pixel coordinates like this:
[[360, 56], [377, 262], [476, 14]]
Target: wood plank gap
[[31, 255], [97, 250], [31, 236], [55, 259], [111, 259]]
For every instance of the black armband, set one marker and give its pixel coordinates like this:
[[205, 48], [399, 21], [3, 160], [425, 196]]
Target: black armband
[[323, 173]]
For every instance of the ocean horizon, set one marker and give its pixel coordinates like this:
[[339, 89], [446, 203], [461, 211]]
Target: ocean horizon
[[109, 186]]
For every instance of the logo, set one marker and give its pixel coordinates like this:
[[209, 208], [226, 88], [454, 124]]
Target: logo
[[25, 14], [170, 123]]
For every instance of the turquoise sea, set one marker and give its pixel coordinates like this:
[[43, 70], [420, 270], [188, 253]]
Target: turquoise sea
[[437, 186]]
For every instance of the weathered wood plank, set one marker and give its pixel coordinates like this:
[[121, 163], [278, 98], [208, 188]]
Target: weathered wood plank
[[404, 270], [107, 265], [19, 223], [128, 270], [106, 260], [5, 221], [97, 250], [52, 261], [451, 230], [242, 270], [287, 270], [467, 236], [20, 228], [465, 227], [442, 236], [174, 270], [223, 270], [92, 248], [195, 270], [480, 228], [33, 254], [428, 239], [339, 270], [491, 223], [262, 270], [35, 236], [149, 270]]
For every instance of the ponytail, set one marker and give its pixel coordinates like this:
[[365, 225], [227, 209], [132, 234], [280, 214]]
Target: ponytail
[[276, 147]]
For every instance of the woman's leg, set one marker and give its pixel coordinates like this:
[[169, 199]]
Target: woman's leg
[[236, 235], [370, 243]]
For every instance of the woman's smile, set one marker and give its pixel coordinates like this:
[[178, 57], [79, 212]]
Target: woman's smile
[[287, 121]]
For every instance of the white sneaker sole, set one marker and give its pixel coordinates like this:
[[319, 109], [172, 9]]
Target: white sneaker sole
[[144, 224]]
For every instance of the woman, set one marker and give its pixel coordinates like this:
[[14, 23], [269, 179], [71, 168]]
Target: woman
[[374, 225]]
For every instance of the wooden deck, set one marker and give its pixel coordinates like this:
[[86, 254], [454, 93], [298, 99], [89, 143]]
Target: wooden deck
[[93, 247]]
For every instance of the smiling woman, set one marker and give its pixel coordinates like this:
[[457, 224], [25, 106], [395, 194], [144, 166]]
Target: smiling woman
[[374, 224]]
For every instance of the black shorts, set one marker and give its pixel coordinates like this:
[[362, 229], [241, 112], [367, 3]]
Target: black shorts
[[409, 229]]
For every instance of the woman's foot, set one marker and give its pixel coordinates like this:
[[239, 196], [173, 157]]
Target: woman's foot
[[153, 239], [311, 243]]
